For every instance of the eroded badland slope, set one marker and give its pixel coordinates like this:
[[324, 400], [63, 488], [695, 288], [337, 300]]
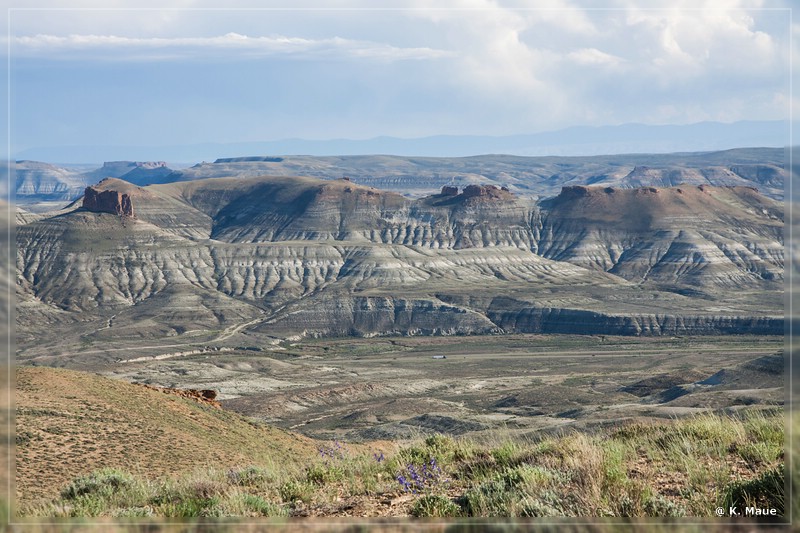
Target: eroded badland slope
[[207, 262]]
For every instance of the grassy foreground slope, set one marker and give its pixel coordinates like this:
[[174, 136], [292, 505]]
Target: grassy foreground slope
[[70, 423], [90, 446]]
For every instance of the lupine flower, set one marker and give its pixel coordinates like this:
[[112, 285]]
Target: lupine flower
[[404, 482], [422, 479], [335, 451]]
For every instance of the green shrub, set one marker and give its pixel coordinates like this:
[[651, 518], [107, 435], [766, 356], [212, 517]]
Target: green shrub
[[320, 474], [528, 476], [262, 507], [446, 449], [464, 450], [545, 503], [292, 491], [760, 452], [190, 508], [102, 483], [133, 512], [545, 447], [440, 443], [439, 447], [191, 498], [479, 466], [614, 468], [761, 428], [206, 489], [435, 505], [492, 498], [251, 476], [659, 506], [507, 454], [765, 491]]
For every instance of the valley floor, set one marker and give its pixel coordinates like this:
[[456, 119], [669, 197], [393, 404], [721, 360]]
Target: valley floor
[[512, 425], [400, 387]]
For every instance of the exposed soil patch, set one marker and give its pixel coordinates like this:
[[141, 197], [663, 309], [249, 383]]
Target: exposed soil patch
[[662, 382]]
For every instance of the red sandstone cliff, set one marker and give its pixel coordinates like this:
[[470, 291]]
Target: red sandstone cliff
[[113, 202]]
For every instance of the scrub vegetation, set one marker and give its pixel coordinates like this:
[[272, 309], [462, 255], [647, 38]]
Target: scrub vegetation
[[678, 468]]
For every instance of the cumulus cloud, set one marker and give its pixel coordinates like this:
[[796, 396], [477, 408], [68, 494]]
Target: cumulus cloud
[[686, 61], [696, 39], [495, 62], [477, 66]]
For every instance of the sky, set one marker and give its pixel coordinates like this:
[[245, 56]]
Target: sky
[[196, 73]]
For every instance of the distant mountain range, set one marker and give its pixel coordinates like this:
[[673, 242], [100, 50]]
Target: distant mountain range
[[40, 186], [574, 141], [35, 181]]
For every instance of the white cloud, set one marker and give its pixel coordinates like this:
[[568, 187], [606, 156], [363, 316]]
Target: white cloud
[[500, 66], [492, 56], [53, 46], [593, 56], [565, 63], [693, 39]]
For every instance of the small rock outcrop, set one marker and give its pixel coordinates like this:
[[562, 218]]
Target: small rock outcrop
[[486, 191], [128, 165], [113, 202], [471, 191], [472, 195], [580, 191], [571, 192], [204, 396]]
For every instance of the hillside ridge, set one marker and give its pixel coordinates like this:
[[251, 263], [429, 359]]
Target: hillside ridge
[[79, 421]]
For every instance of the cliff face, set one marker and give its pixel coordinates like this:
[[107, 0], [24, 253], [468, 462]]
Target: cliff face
[[109, 201], [137, 172], [43, 181], [566, 321], [702, 236], [479, 217]]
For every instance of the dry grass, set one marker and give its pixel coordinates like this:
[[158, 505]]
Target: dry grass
[[678, 469], [71, 423]]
